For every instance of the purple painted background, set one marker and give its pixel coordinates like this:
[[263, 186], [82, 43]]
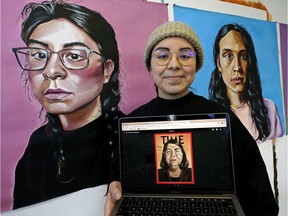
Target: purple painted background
[[132, 20]]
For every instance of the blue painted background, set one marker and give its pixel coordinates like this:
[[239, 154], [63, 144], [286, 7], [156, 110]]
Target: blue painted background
[[264, 34]]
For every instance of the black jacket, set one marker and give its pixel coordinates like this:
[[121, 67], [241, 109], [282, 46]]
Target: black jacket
[[185, 176], [87, 158]]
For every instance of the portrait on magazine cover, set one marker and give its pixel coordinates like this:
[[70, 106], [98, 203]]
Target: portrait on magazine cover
[[174, 158]]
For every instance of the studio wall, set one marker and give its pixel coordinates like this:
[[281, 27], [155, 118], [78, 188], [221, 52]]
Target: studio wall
[[133, 20]]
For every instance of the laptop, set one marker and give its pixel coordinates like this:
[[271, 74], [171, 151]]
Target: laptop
[[177, 165]]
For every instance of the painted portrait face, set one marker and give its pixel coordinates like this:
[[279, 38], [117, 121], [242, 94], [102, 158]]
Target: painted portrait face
[[173, 80], [58, 89], [233, 62], [174, 156]]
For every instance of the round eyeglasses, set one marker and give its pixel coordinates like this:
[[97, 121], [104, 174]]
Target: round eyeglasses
[[176, 151], [32, 59], [163, 56]]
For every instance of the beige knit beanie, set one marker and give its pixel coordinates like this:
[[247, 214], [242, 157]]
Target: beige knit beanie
[[174, 29]]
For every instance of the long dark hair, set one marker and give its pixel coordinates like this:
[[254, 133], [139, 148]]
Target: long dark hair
[[184, 164], [98, 28], [253, 90]]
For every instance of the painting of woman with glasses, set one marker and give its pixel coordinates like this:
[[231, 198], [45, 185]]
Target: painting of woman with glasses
[[71, 65], [174, 163]]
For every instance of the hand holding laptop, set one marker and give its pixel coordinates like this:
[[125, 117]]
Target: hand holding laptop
[[206, 139], [114, 194]]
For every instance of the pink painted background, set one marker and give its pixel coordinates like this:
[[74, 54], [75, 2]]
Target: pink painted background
[[132, 20]]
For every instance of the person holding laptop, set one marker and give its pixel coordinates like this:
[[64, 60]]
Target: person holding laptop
[[173, 56]]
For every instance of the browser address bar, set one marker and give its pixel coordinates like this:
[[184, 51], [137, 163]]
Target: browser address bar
[[179, 124]]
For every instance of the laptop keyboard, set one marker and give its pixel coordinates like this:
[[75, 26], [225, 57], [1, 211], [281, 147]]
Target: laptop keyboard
[[146, 206]]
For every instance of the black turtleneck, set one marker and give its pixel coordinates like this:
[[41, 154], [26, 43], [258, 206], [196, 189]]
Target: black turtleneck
[[87, 160]]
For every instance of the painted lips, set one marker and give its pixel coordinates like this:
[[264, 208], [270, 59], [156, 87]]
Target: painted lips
[[56, 94], [173, 160], [237, 80]]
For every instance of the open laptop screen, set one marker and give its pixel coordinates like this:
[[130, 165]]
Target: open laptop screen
[[155, 149]]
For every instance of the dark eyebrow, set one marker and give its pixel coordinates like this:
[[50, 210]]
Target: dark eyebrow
[[165, 48], [226, 50], [183, 48], [75, 44], [243, 51], [33, 41], [229, 50]]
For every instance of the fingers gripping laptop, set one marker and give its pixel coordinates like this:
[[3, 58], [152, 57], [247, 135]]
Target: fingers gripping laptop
[[177, 165]]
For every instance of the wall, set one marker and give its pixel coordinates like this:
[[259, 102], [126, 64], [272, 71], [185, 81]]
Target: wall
[[19, 114]]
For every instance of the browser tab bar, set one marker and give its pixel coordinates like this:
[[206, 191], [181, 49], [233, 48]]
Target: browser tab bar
[[178, 124]]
